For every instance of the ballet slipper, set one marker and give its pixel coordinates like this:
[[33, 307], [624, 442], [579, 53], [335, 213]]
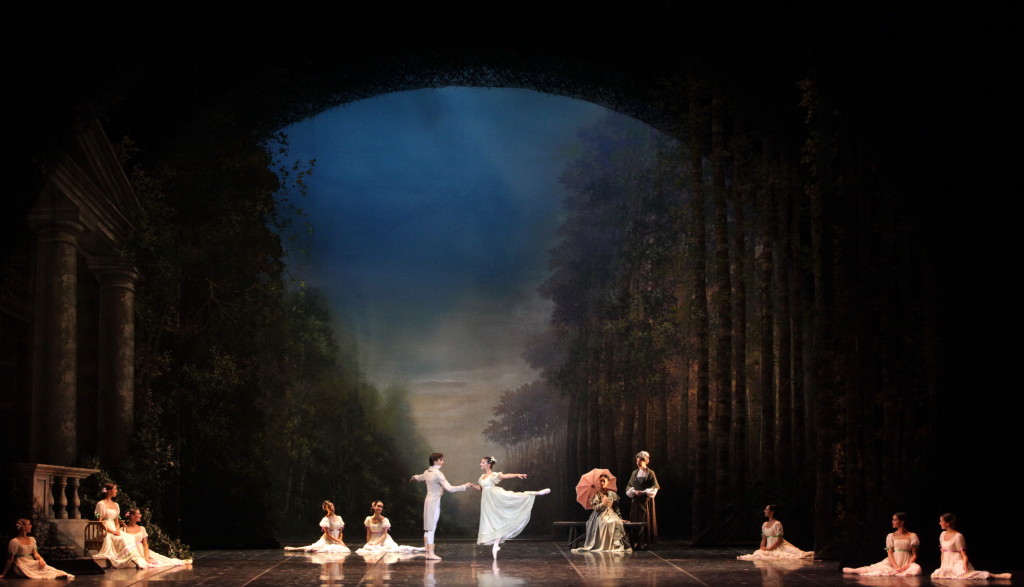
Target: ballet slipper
[[544, 491], [430, 553]]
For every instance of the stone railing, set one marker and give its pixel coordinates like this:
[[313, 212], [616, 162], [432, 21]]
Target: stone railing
[[52, 493], [53, 489]]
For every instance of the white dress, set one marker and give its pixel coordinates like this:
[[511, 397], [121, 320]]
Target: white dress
[[381, 541], [334, 526], [134, 541], [772, 531], [952, 563], [902, 548], [503, 514], [26, 564], [115, 549]]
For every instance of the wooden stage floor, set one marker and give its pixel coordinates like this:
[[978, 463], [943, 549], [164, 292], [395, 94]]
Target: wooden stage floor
[[520, 562]]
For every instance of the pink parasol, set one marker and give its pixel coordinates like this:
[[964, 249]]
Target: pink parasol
[[590, 483]]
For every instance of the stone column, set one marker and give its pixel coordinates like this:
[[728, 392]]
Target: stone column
[[60, 497], [116, 414], [74, 501], [55, 339]]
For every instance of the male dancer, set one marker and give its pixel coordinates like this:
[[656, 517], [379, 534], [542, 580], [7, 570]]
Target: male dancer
[[436, 486]]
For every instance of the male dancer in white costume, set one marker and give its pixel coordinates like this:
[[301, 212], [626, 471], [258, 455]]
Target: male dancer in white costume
[[436, 486]]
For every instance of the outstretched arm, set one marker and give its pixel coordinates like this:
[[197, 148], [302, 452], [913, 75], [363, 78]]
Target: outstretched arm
[[449, 487], [504, 476]]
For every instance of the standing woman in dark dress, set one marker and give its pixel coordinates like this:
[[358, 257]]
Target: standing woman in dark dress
[[642, 487]]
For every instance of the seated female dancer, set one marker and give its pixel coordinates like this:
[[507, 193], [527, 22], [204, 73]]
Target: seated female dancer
[[954, 563], [25, 559], [901, 546], [773, 545], [114, 551], [137, 538], [331, 541], [378, 538]]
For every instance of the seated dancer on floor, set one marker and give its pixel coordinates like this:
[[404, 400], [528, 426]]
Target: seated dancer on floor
[[114, 551], [137, 539], [901, 548], [954, 563], [503, 514], [378, 540], [331, 541], [773, 545], [605, 532], [25, 559]]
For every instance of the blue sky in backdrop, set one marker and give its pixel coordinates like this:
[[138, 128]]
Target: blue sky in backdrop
[[433, 212]]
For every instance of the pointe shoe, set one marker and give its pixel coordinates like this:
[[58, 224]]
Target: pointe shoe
[[544, 491], [494, 551]]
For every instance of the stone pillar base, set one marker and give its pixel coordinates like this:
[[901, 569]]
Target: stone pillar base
[[70, 534]]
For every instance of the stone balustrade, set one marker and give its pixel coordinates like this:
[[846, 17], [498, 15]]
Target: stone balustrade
[[53, 489]]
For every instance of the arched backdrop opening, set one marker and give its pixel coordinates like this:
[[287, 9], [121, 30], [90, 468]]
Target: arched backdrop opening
[[846, 141]]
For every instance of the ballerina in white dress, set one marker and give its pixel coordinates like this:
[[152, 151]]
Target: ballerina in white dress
[[136, 537], [901, 548], [954, 563], [773, 545], [331, 541], [378, 538], [503, 514], [115, 551], [25, 559]]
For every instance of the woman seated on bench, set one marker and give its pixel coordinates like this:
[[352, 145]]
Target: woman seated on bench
[[605, 532]]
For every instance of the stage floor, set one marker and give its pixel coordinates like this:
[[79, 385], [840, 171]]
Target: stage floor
[[525, 562]]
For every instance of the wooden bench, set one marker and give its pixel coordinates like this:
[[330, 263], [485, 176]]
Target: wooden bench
[[576, 534]]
